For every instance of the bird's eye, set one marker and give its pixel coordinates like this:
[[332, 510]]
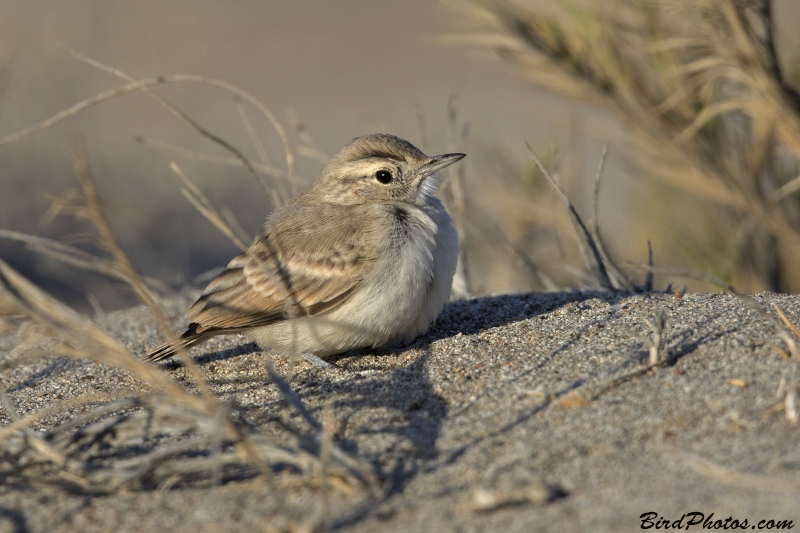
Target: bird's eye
[[383, 176]]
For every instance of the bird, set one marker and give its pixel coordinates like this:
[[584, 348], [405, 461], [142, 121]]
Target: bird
[[363, 258]]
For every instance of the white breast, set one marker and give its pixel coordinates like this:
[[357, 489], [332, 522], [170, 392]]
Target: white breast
[[404, 293]]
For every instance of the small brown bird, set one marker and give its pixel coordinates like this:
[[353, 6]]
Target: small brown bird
[[363, 257]]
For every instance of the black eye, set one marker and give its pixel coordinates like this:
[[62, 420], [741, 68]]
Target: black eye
[[383, 176]]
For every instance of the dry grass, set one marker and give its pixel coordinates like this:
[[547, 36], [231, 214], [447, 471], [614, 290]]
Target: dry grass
[[161, 399], [454, 193], [202, 440], [278, 184], [601, 267], [712, 116], [205, 441]]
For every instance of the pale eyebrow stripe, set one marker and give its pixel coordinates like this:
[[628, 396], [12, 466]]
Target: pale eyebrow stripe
[[379, 154]]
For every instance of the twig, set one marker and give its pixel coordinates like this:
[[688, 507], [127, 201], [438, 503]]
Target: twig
[[95, 214], [657, 327], [205, 157], [85, 399], [148, 82], [788, 188], [233, 223], [76, 257], [648, 278], [619, 281], [201, 202], [34, 441], [291, 398], [64, 253], [26, 299], [738, 479], [178, 113], [588, 247], [363, 471], [311, 149], [461, 285], [80, 106], [262, 154]]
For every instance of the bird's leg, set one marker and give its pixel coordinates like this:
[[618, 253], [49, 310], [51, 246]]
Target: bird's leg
[[317, 362]]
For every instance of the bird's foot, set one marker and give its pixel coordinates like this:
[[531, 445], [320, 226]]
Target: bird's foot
[[319, 363]]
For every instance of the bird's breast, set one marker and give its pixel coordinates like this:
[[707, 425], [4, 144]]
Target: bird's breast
[[396, 293]]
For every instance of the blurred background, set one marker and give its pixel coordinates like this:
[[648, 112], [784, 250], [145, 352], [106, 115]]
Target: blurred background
[[696, 101]]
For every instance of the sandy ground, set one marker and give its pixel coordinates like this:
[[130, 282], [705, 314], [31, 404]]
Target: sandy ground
[[505, 417]]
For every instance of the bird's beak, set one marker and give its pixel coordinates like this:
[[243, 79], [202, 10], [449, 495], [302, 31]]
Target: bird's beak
[[438, 162]]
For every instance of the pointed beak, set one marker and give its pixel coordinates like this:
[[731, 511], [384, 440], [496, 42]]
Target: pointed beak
[[438, 162]]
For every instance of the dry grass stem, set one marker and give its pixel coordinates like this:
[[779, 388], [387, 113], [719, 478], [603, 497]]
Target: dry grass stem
[[172, 410], [94, 213], [65, 405], [146, 84], [657, 328], [457, 189], [230, 218], [483, 500], [363, 472], [180, 114], [64, 253], [206, 157], [200, 201], [278, 192], [21, 297], [616, 277], [740, 479], [710, 113], [589, 249], [311, 148]]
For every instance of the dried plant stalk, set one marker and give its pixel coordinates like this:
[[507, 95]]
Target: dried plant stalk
[[700, 87]]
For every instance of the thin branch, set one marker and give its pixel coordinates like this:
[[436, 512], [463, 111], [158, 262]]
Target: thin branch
[[75, 257], [201, 202], [786, 189], [80, 106], [786, 321], [64, 253], [205, 157], [96, 215], [648, 278], [617, 278], [178, 113], [148, 82], [262, 154], [591, 255]]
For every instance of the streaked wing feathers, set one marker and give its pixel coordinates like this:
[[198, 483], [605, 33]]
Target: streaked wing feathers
[[266, 284]]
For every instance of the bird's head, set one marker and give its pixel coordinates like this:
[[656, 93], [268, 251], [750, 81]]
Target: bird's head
[[379, 168]]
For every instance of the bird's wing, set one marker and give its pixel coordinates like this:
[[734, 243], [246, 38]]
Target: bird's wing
[[272, 282]]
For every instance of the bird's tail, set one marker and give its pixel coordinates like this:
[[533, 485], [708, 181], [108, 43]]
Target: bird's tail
[[184, 342]]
